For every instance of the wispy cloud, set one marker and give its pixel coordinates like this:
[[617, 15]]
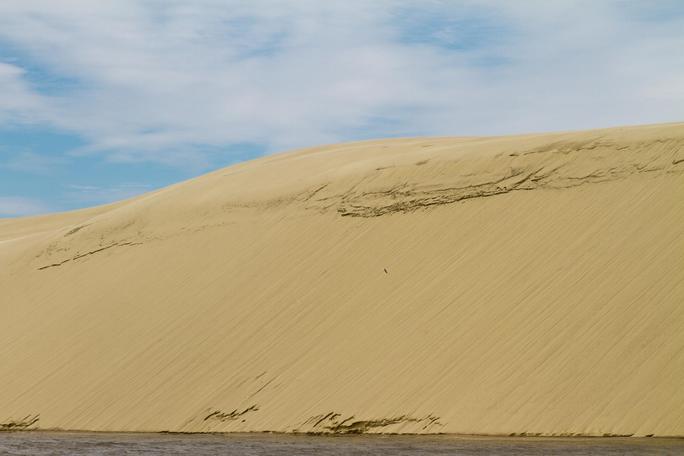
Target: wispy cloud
[[168, 80], [30, 162], [92, 194], [14, 206], [18, 102]]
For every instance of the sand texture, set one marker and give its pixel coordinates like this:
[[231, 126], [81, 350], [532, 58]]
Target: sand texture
[[506, 285]]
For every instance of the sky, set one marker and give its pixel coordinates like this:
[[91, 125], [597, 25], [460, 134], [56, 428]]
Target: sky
[[101, 101]]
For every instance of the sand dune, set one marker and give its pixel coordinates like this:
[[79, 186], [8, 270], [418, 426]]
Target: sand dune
[[506, 285]]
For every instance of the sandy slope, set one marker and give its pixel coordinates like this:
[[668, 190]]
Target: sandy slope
[[530, 284]]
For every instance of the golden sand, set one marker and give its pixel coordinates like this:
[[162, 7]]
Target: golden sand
[[529, 284]]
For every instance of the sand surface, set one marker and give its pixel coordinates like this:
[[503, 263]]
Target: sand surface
[[507, 285]]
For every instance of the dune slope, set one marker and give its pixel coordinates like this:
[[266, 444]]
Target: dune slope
[[507, 285]]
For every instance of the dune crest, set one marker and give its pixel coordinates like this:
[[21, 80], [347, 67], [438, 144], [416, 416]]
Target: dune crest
[[523, 285]]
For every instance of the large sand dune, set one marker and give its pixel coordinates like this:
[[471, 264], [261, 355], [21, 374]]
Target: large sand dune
[[530, 284]]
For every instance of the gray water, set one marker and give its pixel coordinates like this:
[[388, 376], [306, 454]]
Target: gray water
[[54, 444]]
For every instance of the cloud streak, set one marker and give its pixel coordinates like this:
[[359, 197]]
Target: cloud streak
[[164, 81], [91, 194], [16, 206]]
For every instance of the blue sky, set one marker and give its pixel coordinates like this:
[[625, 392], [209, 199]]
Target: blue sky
[[104, 100]]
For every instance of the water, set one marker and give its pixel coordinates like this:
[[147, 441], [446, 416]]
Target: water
[[54, 444]]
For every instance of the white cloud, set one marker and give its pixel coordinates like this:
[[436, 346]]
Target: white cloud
[[18, 102], [152, 79], [15, 206]]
